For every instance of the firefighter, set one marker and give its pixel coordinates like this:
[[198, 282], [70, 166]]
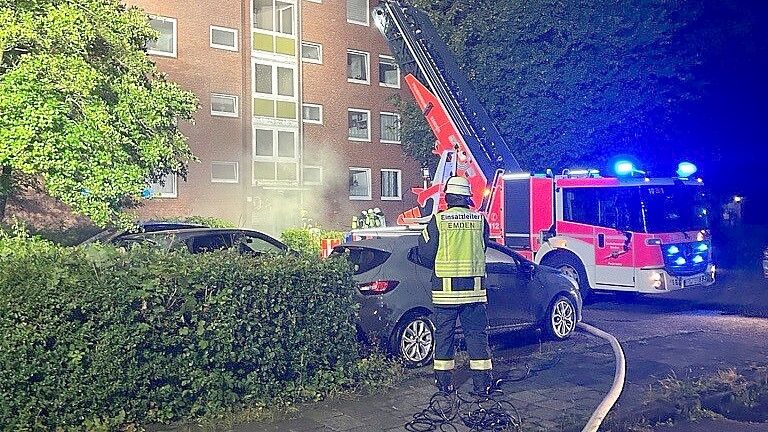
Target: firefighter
[[453, 244]]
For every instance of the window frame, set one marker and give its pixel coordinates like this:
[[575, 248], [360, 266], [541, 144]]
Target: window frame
[[399, 196], [275, 95], [350, 110], [367, 22], [174, 53], [381, 131], [389, 59], [319, 168], [175, 181], [274, 31], [367, 56], [370, 185], [223, 47], [225, 113], [230, 181], [319, 46], [320, 107]]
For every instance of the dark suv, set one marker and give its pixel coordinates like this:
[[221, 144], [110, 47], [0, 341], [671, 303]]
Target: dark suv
[[394, 294]]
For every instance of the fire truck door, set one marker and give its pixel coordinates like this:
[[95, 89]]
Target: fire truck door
[[614, 259]]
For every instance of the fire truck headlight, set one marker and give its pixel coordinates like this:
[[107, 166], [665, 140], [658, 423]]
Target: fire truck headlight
[[673, 250], [657, 280], [698, 259], [680, 261], [702, 247]]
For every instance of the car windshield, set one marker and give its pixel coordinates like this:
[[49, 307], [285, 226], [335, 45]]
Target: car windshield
[[674, 208]]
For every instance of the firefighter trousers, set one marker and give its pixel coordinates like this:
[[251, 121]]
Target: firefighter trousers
[[474, 324]]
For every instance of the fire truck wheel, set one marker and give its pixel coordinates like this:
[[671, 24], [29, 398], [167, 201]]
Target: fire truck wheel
[[413, 341], [561, 318], [572, 267]]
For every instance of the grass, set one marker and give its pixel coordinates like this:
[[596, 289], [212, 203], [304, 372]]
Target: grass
[[728, 393]]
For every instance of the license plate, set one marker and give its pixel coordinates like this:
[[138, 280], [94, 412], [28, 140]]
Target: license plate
[[692, 281]]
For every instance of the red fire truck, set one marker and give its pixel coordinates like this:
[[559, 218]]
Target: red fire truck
[[626, 233]]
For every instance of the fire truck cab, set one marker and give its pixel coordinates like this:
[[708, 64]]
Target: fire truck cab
[[647, 235]]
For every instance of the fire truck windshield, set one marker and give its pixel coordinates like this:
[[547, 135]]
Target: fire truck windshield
[[673, 208], [651, 208]]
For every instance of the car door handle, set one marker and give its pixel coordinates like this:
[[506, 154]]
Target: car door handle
[[601, 240]]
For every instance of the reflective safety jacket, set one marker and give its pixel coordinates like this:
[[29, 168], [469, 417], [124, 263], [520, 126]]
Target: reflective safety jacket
[[454, 245]]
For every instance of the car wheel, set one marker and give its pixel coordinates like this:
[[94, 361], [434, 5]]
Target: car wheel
[[561, 318], [572, 267], [414, 341]]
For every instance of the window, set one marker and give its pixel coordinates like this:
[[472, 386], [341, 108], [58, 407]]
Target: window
[[391, 184], [271, 143], [357, 12], [224, 172], [165, 187], [274, 80], [359, 183], [389, 72], [610, 207], [390, 128], [273, 15], [275, 154], [313, 175], [312, 52], [312, 113], [224, 105], [224, 38], [358, 67], [359, 125], [165, 45]]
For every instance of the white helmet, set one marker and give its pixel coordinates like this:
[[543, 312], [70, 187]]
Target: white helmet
[[458, 186]]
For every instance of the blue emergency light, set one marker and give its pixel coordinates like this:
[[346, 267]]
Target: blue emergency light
[[624, 167], [686, 169]]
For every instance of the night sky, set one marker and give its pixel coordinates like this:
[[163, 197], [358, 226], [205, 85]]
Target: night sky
[[726, 130]]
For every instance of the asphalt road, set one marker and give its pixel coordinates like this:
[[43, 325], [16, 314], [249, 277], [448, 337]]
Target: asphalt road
[[686, 334]]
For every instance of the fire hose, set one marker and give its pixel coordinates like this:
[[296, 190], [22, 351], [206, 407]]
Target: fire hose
[[494, 413]]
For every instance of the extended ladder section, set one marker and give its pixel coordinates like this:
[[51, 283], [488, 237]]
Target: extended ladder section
[[421, 52]]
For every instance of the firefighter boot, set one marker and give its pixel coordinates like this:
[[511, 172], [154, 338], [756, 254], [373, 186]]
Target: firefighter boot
[[443, 381], [482, 383]]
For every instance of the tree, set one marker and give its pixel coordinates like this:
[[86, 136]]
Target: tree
[[575, 82], [84, 113]]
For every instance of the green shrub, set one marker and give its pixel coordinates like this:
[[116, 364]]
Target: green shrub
[[202, 220], [307, 240], [97, 337]]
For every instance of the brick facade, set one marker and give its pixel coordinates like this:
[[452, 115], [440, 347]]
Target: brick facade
[[274, 204]]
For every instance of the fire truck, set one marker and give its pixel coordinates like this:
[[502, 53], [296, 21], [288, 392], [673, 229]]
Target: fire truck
[[628, 233]]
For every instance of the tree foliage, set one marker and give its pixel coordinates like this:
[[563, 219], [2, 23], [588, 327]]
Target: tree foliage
[[571, 82], [83, 111]]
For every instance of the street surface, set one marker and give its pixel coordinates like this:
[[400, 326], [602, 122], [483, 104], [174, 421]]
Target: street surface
[[687, 333]]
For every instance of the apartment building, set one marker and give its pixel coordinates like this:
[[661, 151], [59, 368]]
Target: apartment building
[[297, 112]]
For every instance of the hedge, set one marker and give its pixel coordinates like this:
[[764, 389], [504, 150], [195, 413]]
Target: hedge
[[102, 337], [307, 240]]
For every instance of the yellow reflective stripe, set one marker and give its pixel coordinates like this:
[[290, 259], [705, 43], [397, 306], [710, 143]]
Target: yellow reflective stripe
[[459, 301], [480, 364], [478, 283], [467, 293], [444, 365], [425, 234], [446, 285]]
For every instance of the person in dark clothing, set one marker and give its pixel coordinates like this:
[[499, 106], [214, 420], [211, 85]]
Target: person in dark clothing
[[453, 244]]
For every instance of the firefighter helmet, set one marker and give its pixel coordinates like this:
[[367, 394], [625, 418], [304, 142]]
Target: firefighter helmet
[[458, 186]]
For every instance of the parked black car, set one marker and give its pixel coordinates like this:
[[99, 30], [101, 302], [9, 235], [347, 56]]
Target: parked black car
[[111, 235], [197, 240], [394, 294]]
